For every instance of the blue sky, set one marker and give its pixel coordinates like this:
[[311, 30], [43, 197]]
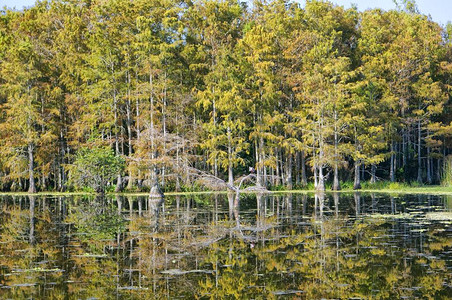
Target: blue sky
[[440, 10]]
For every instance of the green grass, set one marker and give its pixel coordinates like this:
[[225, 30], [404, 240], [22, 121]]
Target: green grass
[[51, 193], [392, 189], [379, 187], [446, 179]]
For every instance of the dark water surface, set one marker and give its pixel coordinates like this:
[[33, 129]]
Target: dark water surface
[[292, 246]]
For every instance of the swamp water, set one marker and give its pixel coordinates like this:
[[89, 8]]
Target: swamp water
[[291, 246]]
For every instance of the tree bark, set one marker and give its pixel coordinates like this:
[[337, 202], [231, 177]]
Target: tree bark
[[163, 169], [304, 180], [419, 158], [230, 165], [373, 176], [260, 163], [119, 184], [392, 162], [62, 174], [297, 168], [289, 161], [155, 194], [336, 184], [357, 181], [321, 181], [129, 129], [404, 139], [429, 167], [32, 186], [316, 181], [438, 170], [279, 166]]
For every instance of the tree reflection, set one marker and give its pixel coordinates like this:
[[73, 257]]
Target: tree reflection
[[334, 257], [96, 220], [306, 246]]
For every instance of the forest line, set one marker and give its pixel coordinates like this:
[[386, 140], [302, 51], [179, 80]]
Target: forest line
[[295, 95]]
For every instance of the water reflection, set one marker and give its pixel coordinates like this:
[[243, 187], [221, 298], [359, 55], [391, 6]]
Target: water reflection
[[200, 246]]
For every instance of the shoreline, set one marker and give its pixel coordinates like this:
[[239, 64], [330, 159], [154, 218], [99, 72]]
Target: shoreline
[[430, 190]]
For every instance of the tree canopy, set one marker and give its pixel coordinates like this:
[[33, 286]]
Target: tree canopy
[[315, 93]]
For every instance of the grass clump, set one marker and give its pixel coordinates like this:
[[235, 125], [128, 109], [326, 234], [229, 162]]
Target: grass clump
[[446, 179], [387, 185]]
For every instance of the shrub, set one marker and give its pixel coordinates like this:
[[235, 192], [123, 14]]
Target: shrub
[[347, 185], [95, 168]]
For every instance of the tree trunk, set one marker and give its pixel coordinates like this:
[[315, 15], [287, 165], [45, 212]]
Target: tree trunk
[[316, 181], [336, 184], [260, 164], [429, 167], [277, 176], [258, 175], [289, 161], [321, 181], [357, 182], [118, 188], [419, 158], [155, 194], [177, 163], [404, 139], [373, 176], [129, 130], [163, 169], [231, 198], [264, 168], [32, 186], [438, 170], [278, 170], [304, 180], [155, 189], [392, 162], [138, 132], [59, 179], [363, 172], [43, 186], [230, 165], [115, 111], [137, 115], [297, 168], [61, 174]]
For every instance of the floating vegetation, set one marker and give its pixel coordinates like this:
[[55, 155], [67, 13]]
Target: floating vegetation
[[133, 288], [180, 272], [92, 255], [24, 284], [288, 292], [391, 216], [439, 216], [37, 269]]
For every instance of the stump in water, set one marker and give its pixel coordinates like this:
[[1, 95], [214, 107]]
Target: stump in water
[[119, 184], [155, 201], [156, 195]]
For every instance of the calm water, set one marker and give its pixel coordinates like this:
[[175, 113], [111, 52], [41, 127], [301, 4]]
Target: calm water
[[292, 246]]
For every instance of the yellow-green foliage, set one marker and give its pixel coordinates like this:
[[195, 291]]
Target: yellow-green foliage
[[446, 179]]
